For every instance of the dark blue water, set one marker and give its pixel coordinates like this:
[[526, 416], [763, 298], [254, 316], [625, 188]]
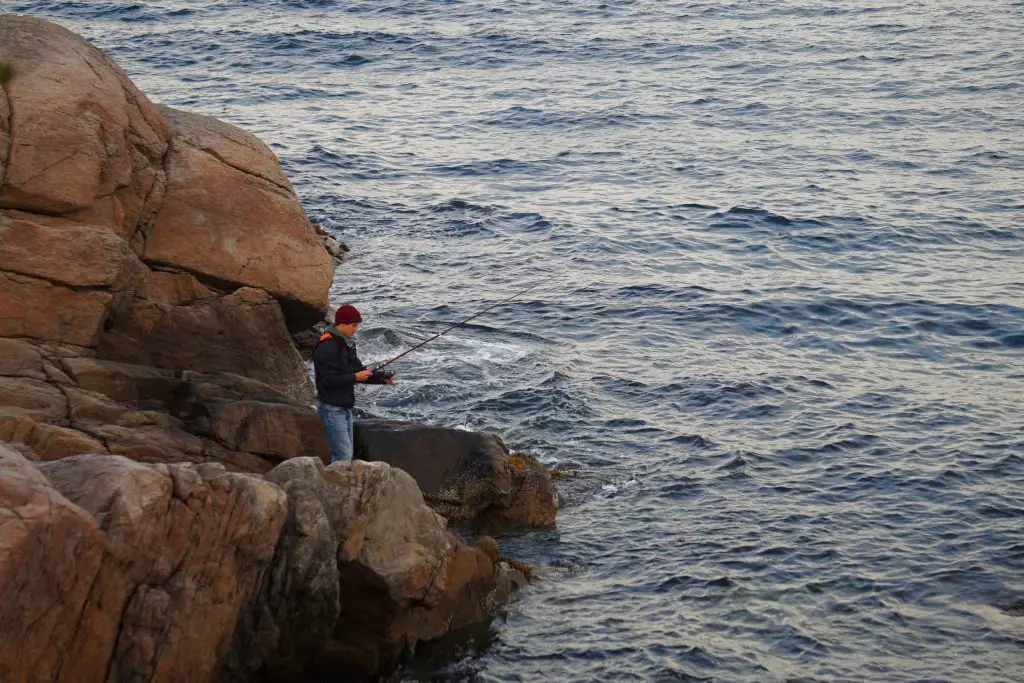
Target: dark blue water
[[781, 343]]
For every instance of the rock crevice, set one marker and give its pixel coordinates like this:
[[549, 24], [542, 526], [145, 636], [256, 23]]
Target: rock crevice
[[241, 169], [6, 121]]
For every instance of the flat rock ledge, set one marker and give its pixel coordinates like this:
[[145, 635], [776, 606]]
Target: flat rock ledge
[[125, 571]]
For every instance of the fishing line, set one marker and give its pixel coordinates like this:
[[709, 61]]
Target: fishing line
[[379, 367]]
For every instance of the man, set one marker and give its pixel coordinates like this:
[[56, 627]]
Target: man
[[338, 369]]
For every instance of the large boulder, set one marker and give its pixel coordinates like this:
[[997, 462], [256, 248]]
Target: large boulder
[[363, 571], [85, 143], [51, 553], [119, 571], [230, 214], [191, 543], [93, 178], [116, 571], [464, 475]]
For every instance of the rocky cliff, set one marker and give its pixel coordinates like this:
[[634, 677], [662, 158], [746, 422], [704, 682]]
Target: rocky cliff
[[142, 248], [114, 570], [165, 510], [144, 235]]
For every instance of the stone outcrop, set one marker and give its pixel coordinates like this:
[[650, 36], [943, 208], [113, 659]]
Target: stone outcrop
[[464, 475], [85, 143], [53, 406], [50, 553], [121, 224], [364, 570], [126, 571], [167, 242], [212, 335], [224, 188], [165, 511]]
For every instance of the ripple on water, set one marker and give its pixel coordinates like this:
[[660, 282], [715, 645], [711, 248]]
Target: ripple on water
[[780, 353]]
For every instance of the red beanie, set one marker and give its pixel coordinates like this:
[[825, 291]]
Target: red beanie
[[347, 314]]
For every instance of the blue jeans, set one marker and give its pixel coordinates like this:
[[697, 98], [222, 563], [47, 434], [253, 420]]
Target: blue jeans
[[337, 423]]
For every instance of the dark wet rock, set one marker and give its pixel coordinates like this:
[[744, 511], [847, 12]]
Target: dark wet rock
[[464, 475], [305, 341], [1014, 609], [335, 247]]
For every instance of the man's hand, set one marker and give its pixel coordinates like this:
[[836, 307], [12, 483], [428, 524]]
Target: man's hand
[[363, 375]]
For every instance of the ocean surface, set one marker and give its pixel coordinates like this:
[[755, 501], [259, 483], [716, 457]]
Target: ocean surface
[[779, 341]]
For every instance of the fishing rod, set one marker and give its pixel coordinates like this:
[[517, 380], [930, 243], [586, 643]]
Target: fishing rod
[[379, 367]]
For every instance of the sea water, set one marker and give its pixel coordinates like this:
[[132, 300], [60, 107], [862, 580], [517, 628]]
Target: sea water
[[779, 345]]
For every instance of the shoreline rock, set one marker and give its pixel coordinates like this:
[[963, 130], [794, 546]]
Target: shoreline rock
[[124, 570], [182, 572], [91, 165], [165, 509], [363, 572], [466, 476]]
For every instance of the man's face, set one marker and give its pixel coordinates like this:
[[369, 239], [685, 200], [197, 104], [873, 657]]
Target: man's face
[[348, 329]]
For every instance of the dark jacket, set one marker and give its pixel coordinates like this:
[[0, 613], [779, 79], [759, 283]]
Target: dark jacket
[[336, 365]]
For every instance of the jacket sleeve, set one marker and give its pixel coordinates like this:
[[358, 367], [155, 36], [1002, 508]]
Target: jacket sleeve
[[328, 367]]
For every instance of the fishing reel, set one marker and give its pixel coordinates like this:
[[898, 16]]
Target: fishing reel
[[381, 376]]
